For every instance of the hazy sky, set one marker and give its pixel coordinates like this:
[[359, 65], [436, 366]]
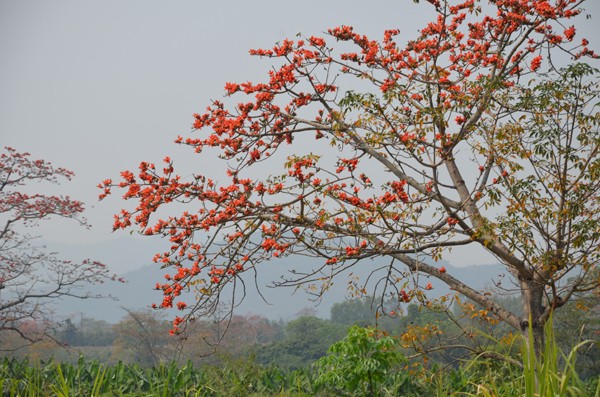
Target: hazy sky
[[98, 86]]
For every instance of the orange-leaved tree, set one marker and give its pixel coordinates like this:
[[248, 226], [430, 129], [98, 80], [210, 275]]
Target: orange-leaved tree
[[470, 134]]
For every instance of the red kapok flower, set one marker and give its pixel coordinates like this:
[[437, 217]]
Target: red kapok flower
[[570, 33], [536, 63]]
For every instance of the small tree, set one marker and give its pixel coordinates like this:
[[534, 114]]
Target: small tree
[[468, 135], [142, 337], [31, 278], [360, 363]]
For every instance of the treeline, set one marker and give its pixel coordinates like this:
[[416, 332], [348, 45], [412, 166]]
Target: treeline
[[366, 362], [461, 328]]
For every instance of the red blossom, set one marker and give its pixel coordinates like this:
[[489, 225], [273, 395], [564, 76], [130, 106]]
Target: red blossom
[[404, 296], [570, 33], [536, 63], [452, 221]]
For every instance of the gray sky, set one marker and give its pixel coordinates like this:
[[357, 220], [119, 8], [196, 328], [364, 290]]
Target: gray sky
[[98, 86]]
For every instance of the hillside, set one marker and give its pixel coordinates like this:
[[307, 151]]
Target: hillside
[[281, 303]]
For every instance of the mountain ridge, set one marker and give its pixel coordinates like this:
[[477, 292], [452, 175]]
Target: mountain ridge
[[285, 303]]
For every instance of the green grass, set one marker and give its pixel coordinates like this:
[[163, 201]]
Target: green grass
[[90, 378]]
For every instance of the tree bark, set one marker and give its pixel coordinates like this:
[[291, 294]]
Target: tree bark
[[532, 295]]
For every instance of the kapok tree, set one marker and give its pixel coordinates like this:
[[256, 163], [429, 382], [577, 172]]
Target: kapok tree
[[31, 279], [468, 135]]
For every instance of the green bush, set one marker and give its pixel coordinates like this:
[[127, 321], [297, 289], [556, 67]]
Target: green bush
[[366, 362]]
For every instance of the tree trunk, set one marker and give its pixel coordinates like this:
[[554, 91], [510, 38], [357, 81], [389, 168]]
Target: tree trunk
[[532, 295]]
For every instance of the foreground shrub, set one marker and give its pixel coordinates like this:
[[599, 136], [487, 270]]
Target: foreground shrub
[[366, 362]]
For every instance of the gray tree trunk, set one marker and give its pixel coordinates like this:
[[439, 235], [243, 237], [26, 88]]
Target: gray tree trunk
[[532, 297]]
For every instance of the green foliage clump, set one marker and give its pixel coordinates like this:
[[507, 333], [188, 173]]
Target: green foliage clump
[[365, 363]]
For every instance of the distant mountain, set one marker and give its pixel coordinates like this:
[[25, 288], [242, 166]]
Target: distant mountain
[[281, 303]]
